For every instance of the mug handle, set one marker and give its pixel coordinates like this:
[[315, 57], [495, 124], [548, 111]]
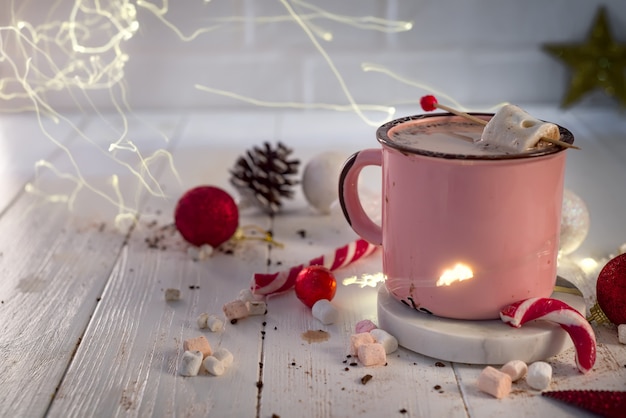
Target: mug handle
[[349, 199]]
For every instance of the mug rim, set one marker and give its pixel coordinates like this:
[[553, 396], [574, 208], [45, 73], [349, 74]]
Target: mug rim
[[383, 137]]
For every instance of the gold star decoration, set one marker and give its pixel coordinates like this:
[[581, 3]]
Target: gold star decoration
[[598, 62]]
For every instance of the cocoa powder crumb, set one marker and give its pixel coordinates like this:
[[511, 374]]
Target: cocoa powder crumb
[[366, 378]]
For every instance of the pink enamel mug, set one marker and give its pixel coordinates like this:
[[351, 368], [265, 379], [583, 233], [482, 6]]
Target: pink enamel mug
[[465, 231]]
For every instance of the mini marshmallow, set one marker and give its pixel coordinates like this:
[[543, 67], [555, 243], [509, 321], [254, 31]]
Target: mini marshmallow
[[514, 130], [621, 333], [225, 356], [202, 320], [235, 309], [372, 354], [516, 369], [200, 253], [364, 325], [325, 312], [359, 339], [387, 340], [256, 307], [539, 375], [172, 294], [494, 382], [190, 363], [213, 366], [198, 344], [245, 295], [214, 323]]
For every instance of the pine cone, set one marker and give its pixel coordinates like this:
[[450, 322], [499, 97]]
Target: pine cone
[[262, 176]]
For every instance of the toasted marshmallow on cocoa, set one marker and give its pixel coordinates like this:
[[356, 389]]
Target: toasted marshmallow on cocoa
[[513, 130]]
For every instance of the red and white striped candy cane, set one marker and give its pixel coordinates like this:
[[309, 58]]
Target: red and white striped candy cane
[[554, 310], [266, 284]]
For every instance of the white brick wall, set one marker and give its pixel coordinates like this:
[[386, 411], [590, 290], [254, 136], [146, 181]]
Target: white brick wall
[[479, 52]]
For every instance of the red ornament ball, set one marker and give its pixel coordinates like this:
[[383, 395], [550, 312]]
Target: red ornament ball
[[315, 283], [428, 103], [611, 290], [206, 215]]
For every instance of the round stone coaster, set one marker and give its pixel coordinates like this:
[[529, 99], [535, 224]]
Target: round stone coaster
[[475, 342]]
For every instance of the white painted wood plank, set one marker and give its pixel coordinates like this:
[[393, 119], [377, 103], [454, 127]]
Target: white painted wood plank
[[132, 348], [55, 267]]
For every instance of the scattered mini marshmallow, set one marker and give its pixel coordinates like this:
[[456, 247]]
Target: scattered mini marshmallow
[[172, 294], [539, 375], [494, 382], [198, 343], [190, 363], [225, 356], [359, 339], [387, 340], [514, 130], [202, 320], [213, 366], [516, 369], [214, 323], [245, 295], [372, 354], [200, 253], [256, 307], [621, 333], [325, 312], [236, 309], [364, 325]]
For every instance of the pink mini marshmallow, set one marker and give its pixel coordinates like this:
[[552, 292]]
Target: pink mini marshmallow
[[494, 382], [236, 309], [372, 354], [364, 326], [358, 339], [516, 369], [200, 344]]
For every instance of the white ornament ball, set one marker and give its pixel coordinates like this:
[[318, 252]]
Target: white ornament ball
[[574, 222], [320, 180]]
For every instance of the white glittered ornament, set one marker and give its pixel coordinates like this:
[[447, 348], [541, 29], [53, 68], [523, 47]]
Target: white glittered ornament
[[574, 222], [320, 180]]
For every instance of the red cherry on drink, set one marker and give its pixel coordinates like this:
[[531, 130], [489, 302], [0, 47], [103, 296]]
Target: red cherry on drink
[[428, 103], [611, 290], [315, 283], [206, 215]]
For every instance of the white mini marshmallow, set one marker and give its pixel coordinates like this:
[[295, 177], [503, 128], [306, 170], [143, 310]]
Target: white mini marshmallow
[[256, 307], [516, 369], [202, 320], [245, 295], [387, 340], [325, 312], [172, 294], [213, 366], [539, 375], [200, 253], [190, 363], [512, 129], [225, 356], [236, 309], [214, 323], [621, 333], [494, 382]]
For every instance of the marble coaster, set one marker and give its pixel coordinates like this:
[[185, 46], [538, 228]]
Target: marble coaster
[[474, 342]]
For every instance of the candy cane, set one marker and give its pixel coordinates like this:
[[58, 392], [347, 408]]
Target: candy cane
[[554, 310], [266, 284]]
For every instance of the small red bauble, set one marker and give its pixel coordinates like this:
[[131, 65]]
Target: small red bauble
[[428, 103], [206, 215], [315, 283], [611, 290]]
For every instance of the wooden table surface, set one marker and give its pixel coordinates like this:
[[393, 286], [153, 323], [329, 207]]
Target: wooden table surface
[[85, 328]]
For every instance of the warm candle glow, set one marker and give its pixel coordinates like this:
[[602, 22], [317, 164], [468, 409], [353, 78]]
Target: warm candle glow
[[370, 280], [458, 273]]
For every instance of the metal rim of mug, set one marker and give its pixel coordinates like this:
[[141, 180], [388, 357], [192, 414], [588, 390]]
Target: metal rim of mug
[[383, 137]]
